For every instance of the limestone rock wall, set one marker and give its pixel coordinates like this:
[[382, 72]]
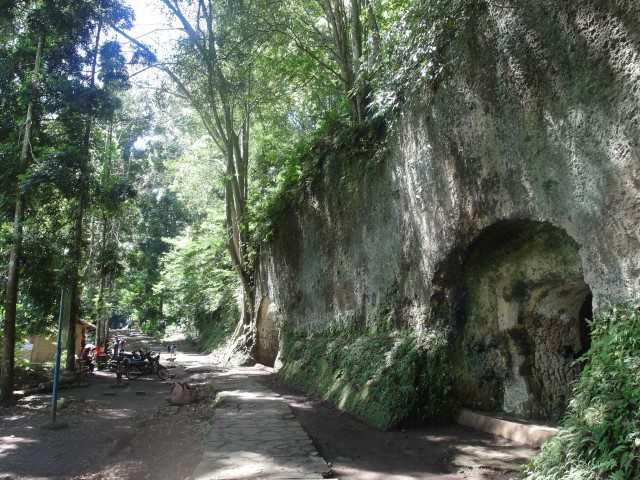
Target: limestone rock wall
[[539, 122]]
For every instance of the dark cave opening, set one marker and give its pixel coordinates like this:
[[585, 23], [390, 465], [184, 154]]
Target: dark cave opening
[[522, 320]]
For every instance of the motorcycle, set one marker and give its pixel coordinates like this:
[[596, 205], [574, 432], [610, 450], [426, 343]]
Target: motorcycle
[[125, 358], [149, 365]]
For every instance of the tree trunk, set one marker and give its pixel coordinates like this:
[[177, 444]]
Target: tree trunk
[[76, 253], [237, 228], [100, 337], [220, 117], [243, 340], [376, 41], [105, 326], [102, 322], [347, 36], [74, 289], [11, 300], [356, 50]]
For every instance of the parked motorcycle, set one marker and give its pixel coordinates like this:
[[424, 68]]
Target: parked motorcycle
[[125, 358], [149, 365]]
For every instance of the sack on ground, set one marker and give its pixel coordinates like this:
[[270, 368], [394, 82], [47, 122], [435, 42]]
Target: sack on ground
[[182, 394]]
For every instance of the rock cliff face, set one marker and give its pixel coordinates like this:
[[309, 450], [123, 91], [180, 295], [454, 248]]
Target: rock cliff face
[[510, 201]]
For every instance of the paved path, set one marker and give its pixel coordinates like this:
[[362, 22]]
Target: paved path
[[255, 433]]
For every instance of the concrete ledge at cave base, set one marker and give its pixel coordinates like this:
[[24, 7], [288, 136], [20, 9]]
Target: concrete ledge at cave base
[[521, 432]]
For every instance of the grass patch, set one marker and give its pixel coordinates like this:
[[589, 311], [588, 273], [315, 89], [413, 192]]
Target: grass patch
[[53, 425], [214, 335], [217, 401]]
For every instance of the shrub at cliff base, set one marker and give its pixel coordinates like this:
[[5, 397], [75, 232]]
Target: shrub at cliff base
[[381, 378], [599, 437]]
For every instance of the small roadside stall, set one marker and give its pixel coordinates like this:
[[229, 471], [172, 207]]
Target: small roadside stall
[[42, 348]]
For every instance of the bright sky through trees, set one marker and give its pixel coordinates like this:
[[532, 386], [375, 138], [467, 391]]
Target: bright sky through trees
[[155, 28], [152, 25]]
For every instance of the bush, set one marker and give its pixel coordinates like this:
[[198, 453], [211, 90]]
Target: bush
[[29, 374], [600, 436], [382, 378]]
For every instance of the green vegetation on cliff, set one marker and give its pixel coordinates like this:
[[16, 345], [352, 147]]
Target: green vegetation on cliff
[[336, 152], [600, 434], [382, 377]]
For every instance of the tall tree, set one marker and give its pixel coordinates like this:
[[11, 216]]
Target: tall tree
[[114, 75], [98, 106], [56, 41], [9, 338], [216, 72], [78, 216]]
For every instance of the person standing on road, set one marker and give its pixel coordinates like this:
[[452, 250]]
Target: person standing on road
[[85, 356], [116, 347]]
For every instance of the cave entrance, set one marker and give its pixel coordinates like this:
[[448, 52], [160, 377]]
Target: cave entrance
[[267, 333], [524, 306]]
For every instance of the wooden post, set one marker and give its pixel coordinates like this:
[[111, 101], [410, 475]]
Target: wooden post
[[119, 373], [56, 368]]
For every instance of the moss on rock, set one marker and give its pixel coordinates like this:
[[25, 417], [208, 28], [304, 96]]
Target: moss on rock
[[383, 379]]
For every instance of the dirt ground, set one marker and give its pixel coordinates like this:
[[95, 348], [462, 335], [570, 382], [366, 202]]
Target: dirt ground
[[130, 433], [126, 433], [357, 451]]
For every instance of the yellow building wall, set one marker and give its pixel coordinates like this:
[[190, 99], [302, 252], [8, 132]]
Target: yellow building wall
[[44, 348]]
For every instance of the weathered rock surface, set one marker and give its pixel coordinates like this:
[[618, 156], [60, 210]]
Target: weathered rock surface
[[535, 134]]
